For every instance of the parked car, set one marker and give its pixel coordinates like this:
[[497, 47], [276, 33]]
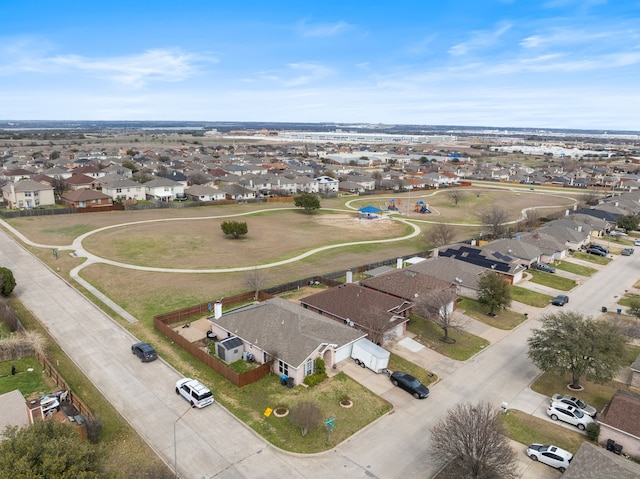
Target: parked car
[[598, 246], [196, 393], [559, 411], [627, 252], [409, 384], [144, 351], [575, 402], [550, 455], [545, 267], [636, 242], [596, 251], [560, 300]]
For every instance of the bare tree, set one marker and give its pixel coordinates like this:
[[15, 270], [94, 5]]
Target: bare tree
[[456, 196], [198, 178], [305, 415], [531, 221], [472, 442], [590, 198], [375, 323], [255, 279], [440, 234], [494, 218], [438, 306]]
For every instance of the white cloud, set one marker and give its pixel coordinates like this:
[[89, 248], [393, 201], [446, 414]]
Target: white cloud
[[322, 29], [480, 39], [307, 72]]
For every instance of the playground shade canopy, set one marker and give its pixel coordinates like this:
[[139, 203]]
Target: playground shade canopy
[[370, 209]]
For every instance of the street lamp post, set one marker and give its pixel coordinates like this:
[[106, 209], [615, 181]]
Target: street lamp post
[[175, 443]]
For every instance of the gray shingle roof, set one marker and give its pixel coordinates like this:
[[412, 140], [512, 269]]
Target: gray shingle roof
[[286, 330], [593, 462]]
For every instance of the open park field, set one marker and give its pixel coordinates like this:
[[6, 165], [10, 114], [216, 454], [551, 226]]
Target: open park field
[[191, 238]]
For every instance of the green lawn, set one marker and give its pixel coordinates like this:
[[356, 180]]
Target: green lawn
[[591, 258], [251, 402], [430, 334], [397, 363], [627, 299], [532, 298], [505, 319], [552, 280], [30, 378], [570, 267], [527, 429]]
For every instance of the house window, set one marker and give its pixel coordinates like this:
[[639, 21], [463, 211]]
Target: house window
[[283, 368], [27, 194], [308, 368], [118, 190], [35, 193]]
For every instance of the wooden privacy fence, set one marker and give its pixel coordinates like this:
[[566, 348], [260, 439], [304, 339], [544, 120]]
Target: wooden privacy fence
[[239, 379], [62, 384], [162, 322]]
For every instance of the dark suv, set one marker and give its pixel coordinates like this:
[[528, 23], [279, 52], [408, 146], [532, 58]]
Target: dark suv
[[596, 251], [604, 249], [560, 300], [144, 351], [545, 267]]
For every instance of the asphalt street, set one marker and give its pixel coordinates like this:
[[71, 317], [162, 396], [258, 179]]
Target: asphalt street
[[211, 443]]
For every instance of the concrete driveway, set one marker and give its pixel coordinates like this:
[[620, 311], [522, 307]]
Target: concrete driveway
[[212, 443]]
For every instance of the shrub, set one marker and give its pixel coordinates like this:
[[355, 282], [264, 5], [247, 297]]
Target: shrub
[[593, 431], [314, 379], [319, 366]]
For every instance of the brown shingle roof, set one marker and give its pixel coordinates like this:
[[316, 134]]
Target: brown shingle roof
[[405, 283], [623, 412]]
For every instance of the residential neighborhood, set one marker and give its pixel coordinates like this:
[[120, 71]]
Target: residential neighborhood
[[379, 303]]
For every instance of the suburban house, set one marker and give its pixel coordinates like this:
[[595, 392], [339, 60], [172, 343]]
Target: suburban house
[[620, 422], [124, 189], [464, 276], [382, 316], [27, 194], [17, 174], [593, 462], [80, 181], [163, 189], [573, 235], [84, 198], [204, 193], [524, 253], [551, 248], [407, 284], [327, 184], [503, 264], [292, 337]]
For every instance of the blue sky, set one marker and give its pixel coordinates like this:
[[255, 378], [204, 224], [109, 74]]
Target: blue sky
[[541, 64]]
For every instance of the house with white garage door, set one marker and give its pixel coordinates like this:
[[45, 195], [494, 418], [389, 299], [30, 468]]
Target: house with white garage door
[[289, 336]]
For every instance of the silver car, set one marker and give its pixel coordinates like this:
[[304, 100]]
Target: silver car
[[575, 402]]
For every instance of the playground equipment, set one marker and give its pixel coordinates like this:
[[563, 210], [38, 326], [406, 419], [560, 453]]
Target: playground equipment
[[422, 207], [391, 205]]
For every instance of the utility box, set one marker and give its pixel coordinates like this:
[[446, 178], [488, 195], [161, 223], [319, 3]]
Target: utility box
[[369, 355]]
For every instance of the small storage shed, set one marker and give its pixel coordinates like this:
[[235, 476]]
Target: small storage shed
[[230, 349]]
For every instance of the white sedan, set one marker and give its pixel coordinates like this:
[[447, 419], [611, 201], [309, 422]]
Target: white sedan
[[564, 412], [550, 455]]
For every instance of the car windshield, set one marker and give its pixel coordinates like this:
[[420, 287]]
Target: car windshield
[[414, 384], [578, 413], [581, 404]]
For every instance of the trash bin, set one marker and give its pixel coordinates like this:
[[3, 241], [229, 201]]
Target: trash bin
[[283, 380], [610, 444], [604, 309], [290, 382], [617, 449], [619, 310]]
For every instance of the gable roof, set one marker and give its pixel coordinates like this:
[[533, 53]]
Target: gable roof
[[486, 259], [448, 269], [27, 185], [356, 303], [514, 248], [593, 462], [405, 283], [623, 413], [84, 195], [286, 330]]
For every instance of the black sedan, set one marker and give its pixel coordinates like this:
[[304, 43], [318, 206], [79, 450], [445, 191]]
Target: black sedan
[[410, 384], [144, 351]]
